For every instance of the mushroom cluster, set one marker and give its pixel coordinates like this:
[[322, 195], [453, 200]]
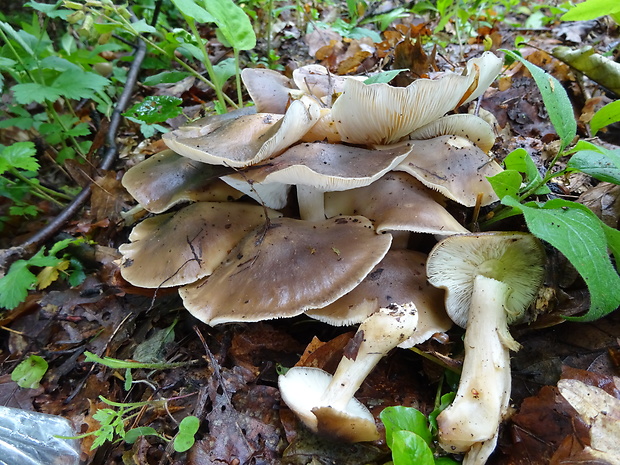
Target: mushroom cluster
[[305, 203]]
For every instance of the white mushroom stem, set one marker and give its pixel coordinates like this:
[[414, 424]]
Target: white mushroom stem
[[379, 333], [311, 203], [471, 423]]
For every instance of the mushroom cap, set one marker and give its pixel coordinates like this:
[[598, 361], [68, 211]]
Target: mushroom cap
[[316, 80], [453, 166], [395, 202], [302, 390], [399, 278], [470, 127], [180, 248], [514, 258], [287, 268], [382, 114], [328, 167], [166, 179], [246, 139], [269, 90]]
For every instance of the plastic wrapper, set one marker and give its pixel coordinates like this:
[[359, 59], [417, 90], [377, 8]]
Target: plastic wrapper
[[30, 438]]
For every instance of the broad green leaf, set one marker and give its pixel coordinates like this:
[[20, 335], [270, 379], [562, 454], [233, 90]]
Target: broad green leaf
[[29, 373], [444, 402], [404, 418], [8, 29], [50, 10], [603, 166], [591, 9], [20, 155], [156, 109], [15, 284], [232, 22], [189, 425], [167, 77], [32, 92], [521, 161], [133, 434], [78, 84], [185, 439], [410, 449], [607, 115], [597, 67], [580, 235], [384, 76], [223, 71], [508, 182], [555, 98], [143, 27], [191, 9]]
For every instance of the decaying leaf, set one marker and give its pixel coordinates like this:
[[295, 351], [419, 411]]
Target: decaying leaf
[[597, 67], [601, 412]]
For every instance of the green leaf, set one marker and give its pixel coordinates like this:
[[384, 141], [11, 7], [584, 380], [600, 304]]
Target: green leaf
[[607, 115], [15, 284], [78, 84], [190, 9], [143, 27], [185, 439], [603, 166], [410, 449], [232, 22], [555, 98], [156, 109], [444, 402], [591, 9], [32, 92], [167, 77], [50, 10], [384, 76], [29, 373], [580, 235], [223, 71], [125, 364], [133, 434], [521, 161], [507, 182], [404, 418], [8, 29], [20, 155]]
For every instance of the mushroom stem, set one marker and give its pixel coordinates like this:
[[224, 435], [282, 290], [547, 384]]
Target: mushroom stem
[[377, 335], [311, 203], [471, 423]]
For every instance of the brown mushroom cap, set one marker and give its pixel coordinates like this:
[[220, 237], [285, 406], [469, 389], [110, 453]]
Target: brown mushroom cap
[[180, 248], [395, 202], [382, 114], [399, 278], [246, 139], [465, 125], [286, 269], [269, 90], [453, 166], [165, 179]]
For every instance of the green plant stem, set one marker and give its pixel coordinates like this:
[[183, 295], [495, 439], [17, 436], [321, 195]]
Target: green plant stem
[[17, 56], [39, 190], [434, 359], [76, 146], [206, 60], [238, 78]]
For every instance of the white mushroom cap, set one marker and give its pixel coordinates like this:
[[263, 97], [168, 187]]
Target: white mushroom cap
[[453, 166], [516, 259], [382, 114], [465, 125], [269, 90]]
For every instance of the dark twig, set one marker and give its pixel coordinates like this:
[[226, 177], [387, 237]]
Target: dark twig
[[108, 158]]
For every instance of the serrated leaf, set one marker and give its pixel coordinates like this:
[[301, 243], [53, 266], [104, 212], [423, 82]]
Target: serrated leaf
[[232, 22], [579, 234], [78, 84], [508, 182], [555, 98], [49, 274], [156, 109], [604, 166], [410, 449], [14, 285], [20, 155], [607, 115], [167, 77], [32, 92], [591, 9], [29, 373]]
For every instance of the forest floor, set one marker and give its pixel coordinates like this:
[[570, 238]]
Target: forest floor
[[227, 376]]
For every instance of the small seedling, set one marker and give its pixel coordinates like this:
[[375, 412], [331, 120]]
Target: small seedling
[[29, 373]]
